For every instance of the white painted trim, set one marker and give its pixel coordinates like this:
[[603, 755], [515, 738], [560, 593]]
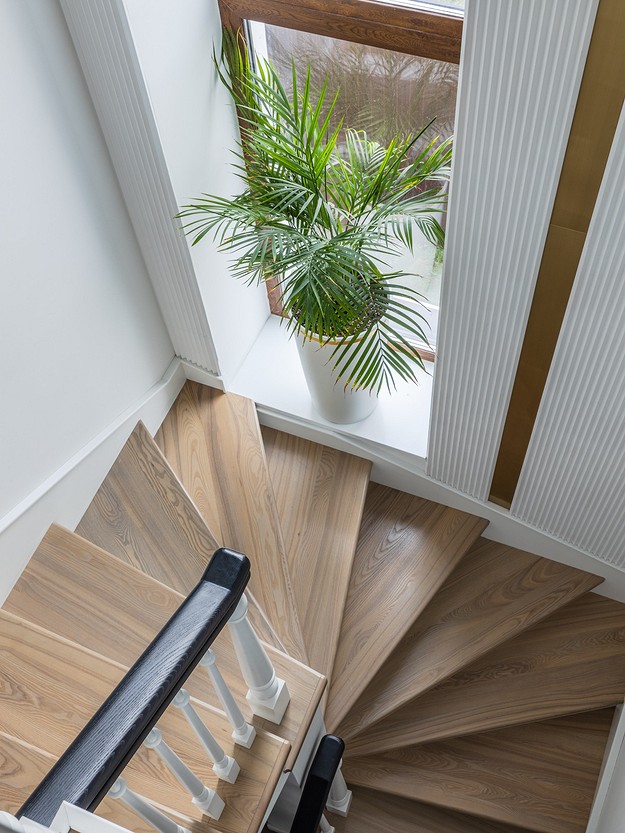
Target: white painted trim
[[272, 376], [69, 817], [614, 748], [571, 483], [199, 374], [64, 495], [106, 50], [520, 72]]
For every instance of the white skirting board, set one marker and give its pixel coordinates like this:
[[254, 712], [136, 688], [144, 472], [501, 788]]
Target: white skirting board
[[63, 497]]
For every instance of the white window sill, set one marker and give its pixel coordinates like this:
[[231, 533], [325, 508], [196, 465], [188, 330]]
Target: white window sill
[[271, 375]]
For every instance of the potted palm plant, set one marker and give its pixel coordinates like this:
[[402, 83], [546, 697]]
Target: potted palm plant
[[322, 211]]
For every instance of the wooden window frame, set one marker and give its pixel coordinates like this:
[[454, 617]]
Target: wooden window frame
[[414, 30]]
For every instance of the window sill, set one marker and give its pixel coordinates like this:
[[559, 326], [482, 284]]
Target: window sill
[[271, 375]]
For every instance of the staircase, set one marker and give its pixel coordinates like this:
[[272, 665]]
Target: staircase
[[474, 684]]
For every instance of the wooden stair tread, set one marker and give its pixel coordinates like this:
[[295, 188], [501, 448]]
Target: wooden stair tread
[[213, 442], [142, 514], [376, 812], [320, 495], [406, 549], [50, 687], [542, 775], [77, 590], [573, 661], [494, 593], [82, 593], [22, 767]]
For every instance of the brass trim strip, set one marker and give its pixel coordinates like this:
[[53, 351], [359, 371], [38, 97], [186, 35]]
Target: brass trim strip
[[597, 112]]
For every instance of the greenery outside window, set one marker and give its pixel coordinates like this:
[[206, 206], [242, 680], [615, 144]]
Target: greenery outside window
[[395, 62]]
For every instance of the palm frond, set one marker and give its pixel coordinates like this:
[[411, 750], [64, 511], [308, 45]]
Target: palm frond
[[321, 210]]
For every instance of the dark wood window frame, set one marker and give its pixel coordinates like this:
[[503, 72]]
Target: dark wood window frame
[[417, 30]]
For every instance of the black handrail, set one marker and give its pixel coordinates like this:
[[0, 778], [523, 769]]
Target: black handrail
[[91, 764], [317, 786]]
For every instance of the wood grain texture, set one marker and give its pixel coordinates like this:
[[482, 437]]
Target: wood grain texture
[[50, 687], [495, 593], [84, 594], [376, 812], [541, 776], [106, 745], [573, 661], [23, 766], [214, 444], [77, 590], [320, 496], [142, 514], [406, 549], [387, 26]]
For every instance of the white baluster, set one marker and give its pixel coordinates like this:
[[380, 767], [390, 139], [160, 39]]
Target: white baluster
[[10, 824], [325, 826], [243, 733], [203, 797], [340, 797], [120, 792], [268, 695], [224, 766]]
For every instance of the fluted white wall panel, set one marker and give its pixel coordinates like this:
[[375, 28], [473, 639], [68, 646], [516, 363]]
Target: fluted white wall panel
[[107, 54], [521, 69], [572, 484]]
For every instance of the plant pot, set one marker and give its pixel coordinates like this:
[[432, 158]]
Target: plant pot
[[329, 396]]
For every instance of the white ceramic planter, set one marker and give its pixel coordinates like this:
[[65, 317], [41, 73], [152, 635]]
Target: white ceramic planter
[[329, 397]]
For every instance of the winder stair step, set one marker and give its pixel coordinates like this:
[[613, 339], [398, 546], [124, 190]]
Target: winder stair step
[[53, 687], [494, 594], [540, 776], [573, 661], [213, 442], [320, 495], [142, 514], [406, 549], [376, 812], [84, 594]]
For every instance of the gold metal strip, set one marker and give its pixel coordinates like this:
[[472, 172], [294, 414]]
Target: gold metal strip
[[597, 112]]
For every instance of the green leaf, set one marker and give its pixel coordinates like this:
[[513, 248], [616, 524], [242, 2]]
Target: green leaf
[[321, 210]]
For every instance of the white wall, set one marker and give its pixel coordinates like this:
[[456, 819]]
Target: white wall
[[81, 335], [197, 128]]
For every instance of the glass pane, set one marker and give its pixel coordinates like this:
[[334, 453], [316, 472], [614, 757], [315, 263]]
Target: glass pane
[[381, 92], [456, 5], [450, 4]]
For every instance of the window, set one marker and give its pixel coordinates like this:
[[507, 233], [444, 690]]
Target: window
[[396, 66]]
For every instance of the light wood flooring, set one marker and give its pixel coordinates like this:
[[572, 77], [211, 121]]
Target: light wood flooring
[[474, 683]]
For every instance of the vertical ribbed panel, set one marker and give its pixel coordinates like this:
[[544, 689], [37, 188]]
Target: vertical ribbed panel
[[572, 484], [106, 52], [521, 69]]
